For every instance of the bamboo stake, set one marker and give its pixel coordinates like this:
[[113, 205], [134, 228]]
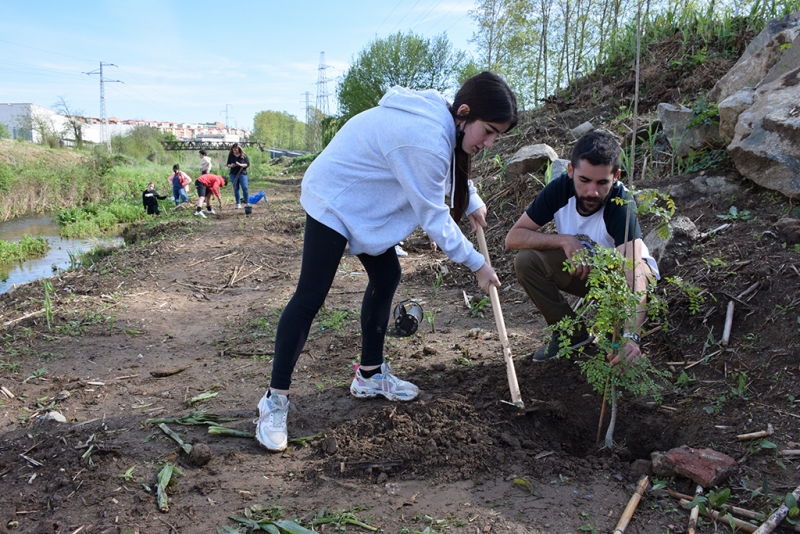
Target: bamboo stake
[[749, 290], [726, 332], [756, 435], [695, 512], [779, 515], [632, 504], [742, 512], [715, 515]]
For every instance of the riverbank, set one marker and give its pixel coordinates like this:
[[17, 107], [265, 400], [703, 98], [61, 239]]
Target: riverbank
[[35, 179]]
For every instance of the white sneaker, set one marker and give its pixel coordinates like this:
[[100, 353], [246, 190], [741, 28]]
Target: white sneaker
[[200, 214], [384, 383], [238, 206], [399, 251], [211, 211], [271, 423]]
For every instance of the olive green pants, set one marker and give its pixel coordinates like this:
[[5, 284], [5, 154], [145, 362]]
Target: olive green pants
[[541, 274]]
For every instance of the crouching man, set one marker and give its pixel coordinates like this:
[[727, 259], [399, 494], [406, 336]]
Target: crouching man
[[581, 202]]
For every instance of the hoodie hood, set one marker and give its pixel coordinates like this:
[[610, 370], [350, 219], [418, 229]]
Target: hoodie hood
[[426, 103]]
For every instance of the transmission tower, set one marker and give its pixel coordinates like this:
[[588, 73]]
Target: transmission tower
[[226, 115], [309, 118], [322, 86], [103, 118]]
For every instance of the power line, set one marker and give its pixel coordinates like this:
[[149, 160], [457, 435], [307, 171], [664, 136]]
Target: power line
[[387, 17], [46, 51], [443, 16], [424, 13], [404, 16]]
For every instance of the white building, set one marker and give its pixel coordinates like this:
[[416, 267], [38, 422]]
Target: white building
[[29, 121]]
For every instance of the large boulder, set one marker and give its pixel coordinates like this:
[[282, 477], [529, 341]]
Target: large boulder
[[530, 159], [766, 143], [683, 136], [760, 57]]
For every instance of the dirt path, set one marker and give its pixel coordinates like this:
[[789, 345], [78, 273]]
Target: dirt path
[[206, 296]]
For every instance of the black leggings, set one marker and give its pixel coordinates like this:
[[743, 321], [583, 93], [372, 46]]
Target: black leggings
[[322, 251]]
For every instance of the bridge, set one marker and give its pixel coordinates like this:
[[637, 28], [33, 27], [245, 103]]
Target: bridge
[[226, 146]]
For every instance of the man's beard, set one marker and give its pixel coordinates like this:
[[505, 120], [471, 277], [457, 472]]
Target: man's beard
[[591, 208]]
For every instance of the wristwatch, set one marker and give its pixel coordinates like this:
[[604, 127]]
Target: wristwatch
[[633, 337]]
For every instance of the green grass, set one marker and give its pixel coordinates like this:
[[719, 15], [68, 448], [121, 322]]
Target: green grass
[[98, 218], [26, 248]]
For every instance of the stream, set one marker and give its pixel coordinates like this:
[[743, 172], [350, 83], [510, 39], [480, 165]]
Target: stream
[[57, 258]]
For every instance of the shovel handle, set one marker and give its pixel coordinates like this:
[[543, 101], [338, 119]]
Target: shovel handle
[[513, 385]]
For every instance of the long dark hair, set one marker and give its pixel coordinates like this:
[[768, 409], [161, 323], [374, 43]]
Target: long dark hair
[[490, 99]]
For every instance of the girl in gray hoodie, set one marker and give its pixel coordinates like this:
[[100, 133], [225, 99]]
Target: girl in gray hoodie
[[387, 171]]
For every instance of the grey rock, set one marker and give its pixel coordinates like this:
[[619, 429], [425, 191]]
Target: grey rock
[[558, 167], [766, 143], [530, 159], [731, 108], [683, 139], [716, 186], [789, 230], [582, 129], [759, 58]]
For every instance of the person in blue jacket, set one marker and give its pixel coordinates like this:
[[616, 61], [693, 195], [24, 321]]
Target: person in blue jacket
[[387, 171]]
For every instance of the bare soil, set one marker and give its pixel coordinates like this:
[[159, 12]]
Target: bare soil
[[447, 461]]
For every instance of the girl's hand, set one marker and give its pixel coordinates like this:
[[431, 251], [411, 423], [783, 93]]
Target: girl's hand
[[477, 217], [487, 277]]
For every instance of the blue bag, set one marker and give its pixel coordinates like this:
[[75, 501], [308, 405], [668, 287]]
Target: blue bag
[[255, 199]]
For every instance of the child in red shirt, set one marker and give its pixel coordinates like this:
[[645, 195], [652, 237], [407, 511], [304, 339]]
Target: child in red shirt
[[207, 185]]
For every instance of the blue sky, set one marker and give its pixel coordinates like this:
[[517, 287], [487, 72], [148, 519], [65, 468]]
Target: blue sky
[[188, 61]]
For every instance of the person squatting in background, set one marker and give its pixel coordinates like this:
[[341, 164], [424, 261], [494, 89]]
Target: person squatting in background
[[387, 171], [150, 198], [238, 162], [207, 185], [180, 183]]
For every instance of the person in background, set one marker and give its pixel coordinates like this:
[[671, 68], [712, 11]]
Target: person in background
[[150, 198], [387, 171], [238, 162], [179, 181], [207, 185], [205, 163]]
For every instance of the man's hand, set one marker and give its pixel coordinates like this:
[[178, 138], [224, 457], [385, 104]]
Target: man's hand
[[477, 217], [487, 277], [632, 353], [573, 249]]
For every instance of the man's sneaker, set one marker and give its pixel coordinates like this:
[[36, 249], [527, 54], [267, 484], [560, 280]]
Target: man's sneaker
[[211, 211], [271, 423], [384, 383], [550, 350], [238, 206], [399, 251], [200, 214]]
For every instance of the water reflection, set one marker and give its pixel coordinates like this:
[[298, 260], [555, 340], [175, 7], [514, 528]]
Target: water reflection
[[58, 256]]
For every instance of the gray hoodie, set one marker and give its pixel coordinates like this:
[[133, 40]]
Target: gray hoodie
[[386, 172]]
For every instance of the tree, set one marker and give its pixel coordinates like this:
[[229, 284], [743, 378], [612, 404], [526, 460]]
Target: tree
[[4, 133], [507, 40], [140, 142], [74, 124], [279, 129], [407, 60]]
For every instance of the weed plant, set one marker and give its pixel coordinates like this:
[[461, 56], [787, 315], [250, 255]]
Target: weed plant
[[26, 248]]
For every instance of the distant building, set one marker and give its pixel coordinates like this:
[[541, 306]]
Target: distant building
[[28, 121]]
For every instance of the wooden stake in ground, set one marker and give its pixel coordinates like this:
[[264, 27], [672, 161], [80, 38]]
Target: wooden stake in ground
[[632, 504], [726, 332], [779, 515]]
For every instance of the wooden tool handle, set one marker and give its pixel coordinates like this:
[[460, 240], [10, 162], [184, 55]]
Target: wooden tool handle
[[513, 385]]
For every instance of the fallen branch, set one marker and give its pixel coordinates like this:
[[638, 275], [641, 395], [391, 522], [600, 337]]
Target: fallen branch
[[6, 392], [749, 290], [789, 452], [742, 512], [632, 504], [757, 435], [26, 316], [779, 515]]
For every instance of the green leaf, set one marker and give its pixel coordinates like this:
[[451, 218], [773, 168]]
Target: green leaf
[[293, 528], [249, 523], [791, 502], [269, 527]]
